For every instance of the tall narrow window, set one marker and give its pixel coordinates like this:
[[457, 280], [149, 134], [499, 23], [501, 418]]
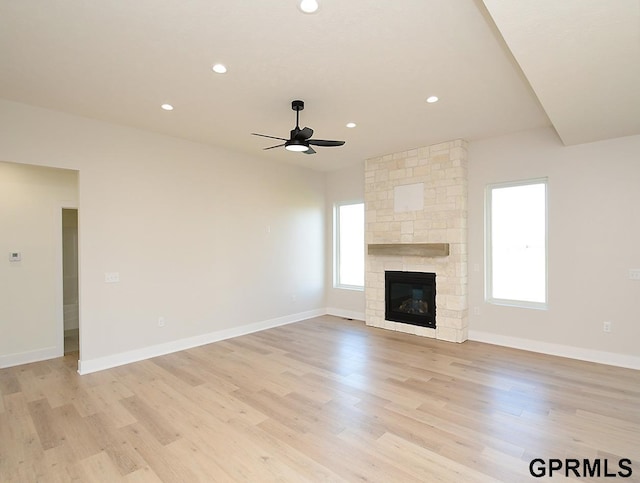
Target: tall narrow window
[[517, 243], [349, 245]]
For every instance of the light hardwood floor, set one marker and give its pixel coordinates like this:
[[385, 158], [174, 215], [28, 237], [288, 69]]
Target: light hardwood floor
[[322, 400]]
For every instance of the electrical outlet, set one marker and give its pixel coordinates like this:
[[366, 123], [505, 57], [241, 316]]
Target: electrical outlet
[[606, 326], [634, 273], [161, 322], [476, 310], [111, 277]]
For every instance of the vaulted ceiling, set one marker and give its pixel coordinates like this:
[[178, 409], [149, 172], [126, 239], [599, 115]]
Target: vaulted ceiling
[[496, 66]]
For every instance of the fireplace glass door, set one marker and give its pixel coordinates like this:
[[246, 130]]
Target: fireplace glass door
[[410, 297]]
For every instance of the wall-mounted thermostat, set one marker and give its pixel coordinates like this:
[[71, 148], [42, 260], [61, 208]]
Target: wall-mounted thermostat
[[15, 256]]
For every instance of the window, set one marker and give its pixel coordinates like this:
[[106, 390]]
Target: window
[[516, 217], [349, 245]]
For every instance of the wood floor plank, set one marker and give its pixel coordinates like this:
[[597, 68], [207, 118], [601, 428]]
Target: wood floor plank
[[224, 406], [306, 468], [107, 399], [31, 385], [97, 468], [76, 431], [171, 364], [201, 464], [143, 475], [326, 399], [439, 468], [20, 449], [350, 461], [44, 422], [123, 456], [155, 455], [9, 383], [151, 419]]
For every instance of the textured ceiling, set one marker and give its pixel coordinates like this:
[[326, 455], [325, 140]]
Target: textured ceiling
[[373, 63]]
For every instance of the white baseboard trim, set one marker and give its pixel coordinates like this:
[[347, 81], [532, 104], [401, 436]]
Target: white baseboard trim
[[347, 314], [107, 362], [28, 357], [580, 353]]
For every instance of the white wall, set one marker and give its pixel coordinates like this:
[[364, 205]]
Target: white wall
[[183, 223], [211, 240], [594, 238], [342, 185], [31, 201]]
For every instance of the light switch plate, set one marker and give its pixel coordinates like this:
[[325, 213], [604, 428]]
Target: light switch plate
[[15, 256], [634, 273]]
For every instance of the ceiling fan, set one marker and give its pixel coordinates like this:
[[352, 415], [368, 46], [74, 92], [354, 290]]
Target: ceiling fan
[[300, 139]]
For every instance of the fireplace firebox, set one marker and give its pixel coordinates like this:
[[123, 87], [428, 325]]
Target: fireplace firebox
[[410, 297]]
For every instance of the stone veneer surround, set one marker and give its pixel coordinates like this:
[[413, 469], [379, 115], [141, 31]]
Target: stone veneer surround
[[442, 168]]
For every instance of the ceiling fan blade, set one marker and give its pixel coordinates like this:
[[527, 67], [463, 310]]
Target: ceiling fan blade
[[310, 151], [270, 137], [324, 142], [276, 146], [304, 134]]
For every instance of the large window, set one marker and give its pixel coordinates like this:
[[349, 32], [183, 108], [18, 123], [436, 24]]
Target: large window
[[349, 245], [517, 243]]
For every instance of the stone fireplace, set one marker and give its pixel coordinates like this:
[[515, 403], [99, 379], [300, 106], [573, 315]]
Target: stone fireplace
[[416, 221]]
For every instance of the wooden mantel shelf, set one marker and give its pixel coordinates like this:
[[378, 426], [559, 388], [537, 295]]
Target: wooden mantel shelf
[[409, 249]]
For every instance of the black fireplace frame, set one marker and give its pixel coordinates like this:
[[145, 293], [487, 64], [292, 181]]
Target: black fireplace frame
[[427, 279]]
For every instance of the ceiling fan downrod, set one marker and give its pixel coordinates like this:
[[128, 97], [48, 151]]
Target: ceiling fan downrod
[[297, 106]]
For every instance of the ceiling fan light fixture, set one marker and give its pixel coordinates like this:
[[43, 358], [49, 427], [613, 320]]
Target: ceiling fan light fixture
[[308, 6], [432, 99], [297, 146]]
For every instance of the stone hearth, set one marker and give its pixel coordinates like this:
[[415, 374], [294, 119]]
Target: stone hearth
[[413, 199]]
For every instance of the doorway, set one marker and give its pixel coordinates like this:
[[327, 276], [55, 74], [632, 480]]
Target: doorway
[[70, 281]]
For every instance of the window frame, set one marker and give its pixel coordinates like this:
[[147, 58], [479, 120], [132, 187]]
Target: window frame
[[336, 245], [489, 298]]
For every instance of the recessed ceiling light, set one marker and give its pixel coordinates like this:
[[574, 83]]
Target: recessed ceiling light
[[432, 99], [351, 124], [219, 69], [167, 107], [308, 6]]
